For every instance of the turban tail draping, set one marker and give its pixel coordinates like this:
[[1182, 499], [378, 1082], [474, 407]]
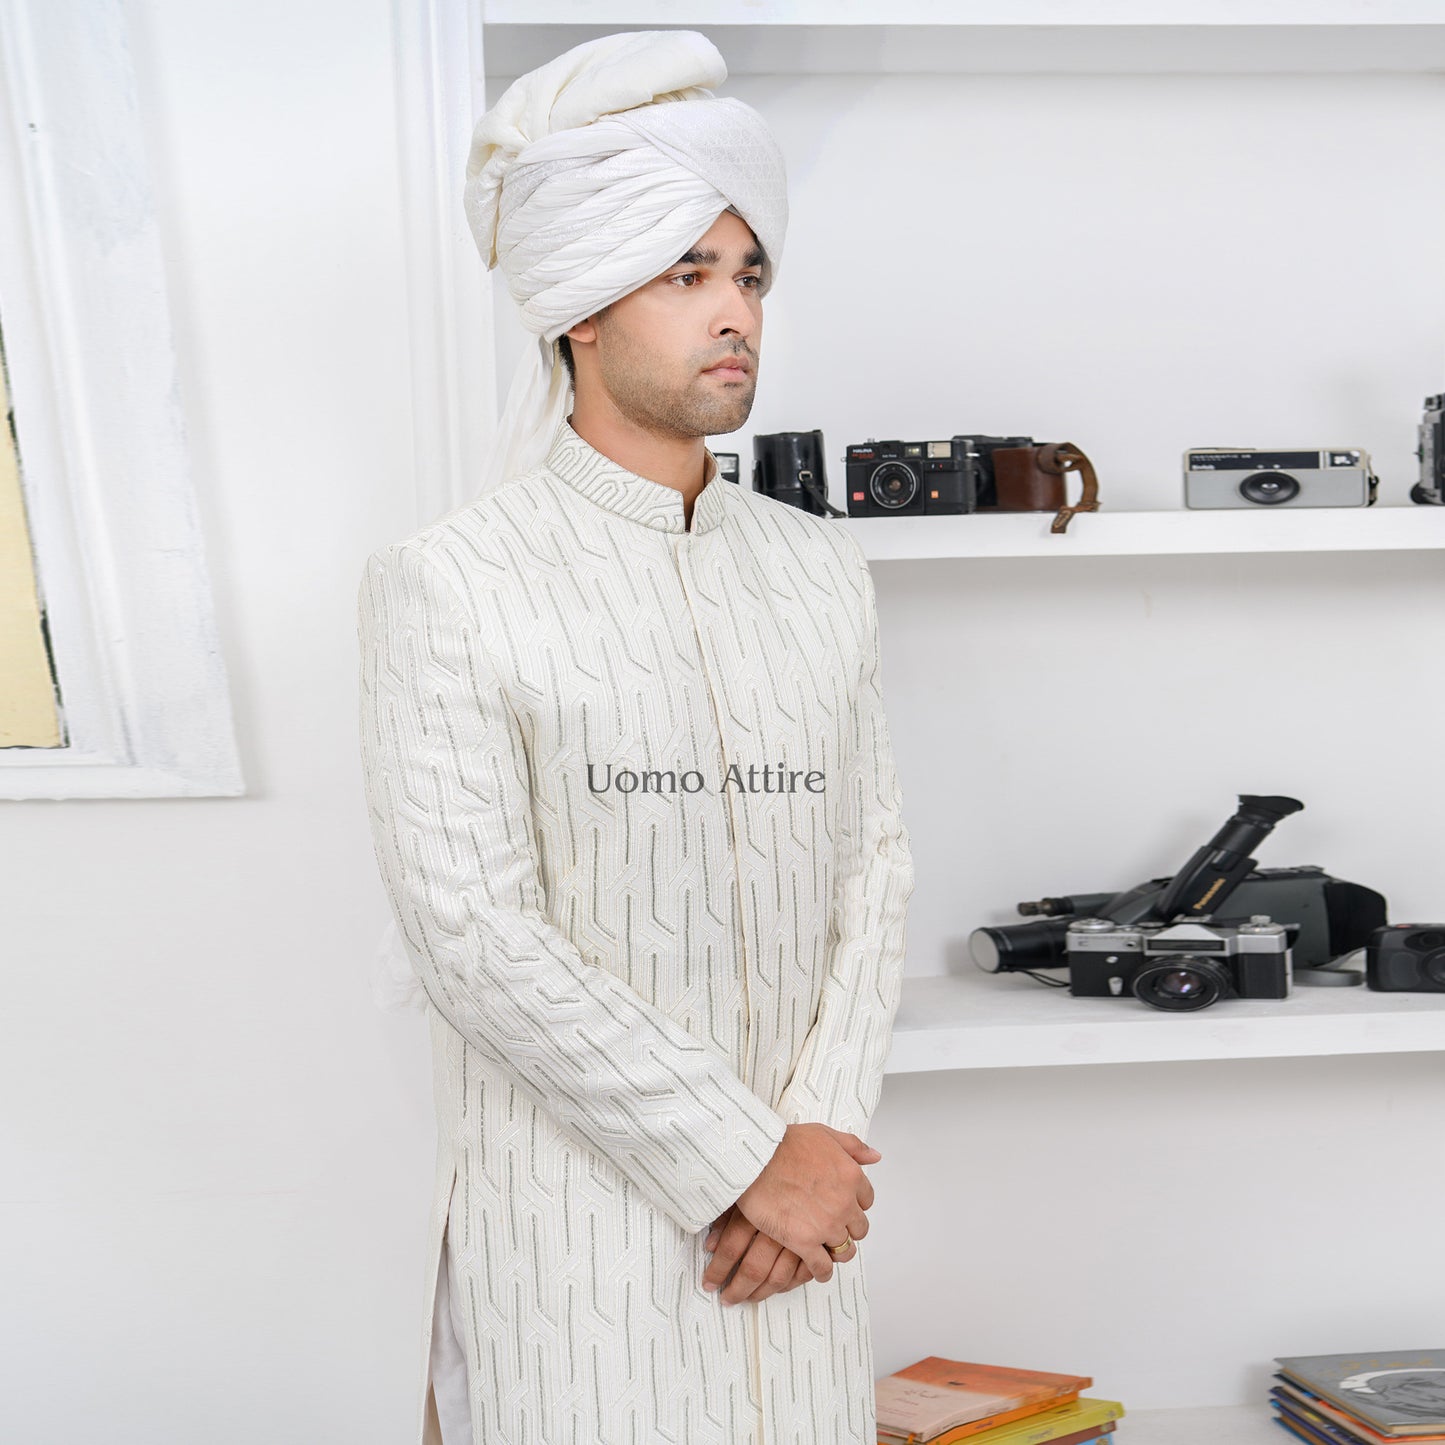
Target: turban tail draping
[[591, 175]]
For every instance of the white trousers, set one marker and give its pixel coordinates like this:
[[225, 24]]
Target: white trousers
[[448, 1360]]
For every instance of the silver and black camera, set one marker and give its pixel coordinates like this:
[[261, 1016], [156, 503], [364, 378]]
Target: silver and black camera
[[1241, 477], [1176, 966], [1430, 489]]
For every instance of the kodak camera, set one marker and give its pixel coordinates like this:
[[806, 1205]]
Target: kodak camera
[[1222, 477], [1406, 958], [893, 478], [1178, 966], [1430, 489]]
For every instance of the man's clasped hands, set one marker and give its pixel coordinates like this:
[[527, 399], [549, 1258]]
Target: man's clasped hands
[[812, 1193]]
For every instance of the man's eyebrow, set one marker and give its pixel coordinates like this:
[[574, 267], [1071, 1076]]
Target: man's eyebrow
[[710, 256]]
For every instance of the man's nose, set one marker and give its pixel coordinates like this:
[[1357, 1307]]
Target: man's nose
[[736, 315]]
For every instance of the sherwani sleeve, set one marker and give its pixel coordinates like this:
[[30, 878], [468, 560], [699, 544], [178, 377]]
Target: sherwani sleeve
[[447, 791], [839, 1073]]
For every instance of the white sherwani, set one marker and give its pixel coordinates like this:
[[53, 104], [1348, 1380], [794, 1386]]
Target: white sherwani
[[645, 954]]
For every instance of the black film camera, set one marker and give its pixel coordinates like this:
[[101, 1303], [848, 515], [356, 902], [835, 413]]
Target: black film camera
[[1406, 958], [1323, 917], [893, 478]]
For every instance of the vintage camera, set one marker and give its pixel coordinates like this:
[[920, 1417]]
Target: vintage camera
[[1219, 887], [979, 451], [1406, 958], [893, 478], [1223, 477], [1178, 966], [788, 467], [1430, 489]]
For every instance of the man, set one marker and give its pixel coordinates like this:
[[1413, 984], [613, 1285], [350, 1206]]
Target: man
[[633, 798]]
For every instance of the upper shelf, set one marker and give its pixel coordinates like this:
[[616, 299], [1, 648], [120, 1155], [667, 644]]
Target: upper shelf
[[1177, 532], [790, 37], [987, 1021]]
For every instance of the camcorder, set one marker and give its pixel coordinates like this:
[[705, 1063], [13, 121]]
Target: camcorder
[[1218, 928]]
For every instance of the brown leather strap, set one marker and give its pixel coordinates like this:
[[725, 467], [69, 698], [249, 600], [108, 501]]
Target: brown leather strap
[[1061, 457]]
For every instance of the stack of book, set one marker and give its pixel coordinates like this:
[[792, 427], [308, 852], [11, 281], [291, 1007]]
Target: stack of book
[[1365, 1399], [937, 1402]]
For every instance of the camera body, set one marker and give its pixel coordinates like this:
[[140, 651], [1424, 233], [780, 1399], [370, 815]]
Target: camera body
[[897, 478], [1178, 966], [1216, 477], [1406, 958], [894, 478], [1430, 489]]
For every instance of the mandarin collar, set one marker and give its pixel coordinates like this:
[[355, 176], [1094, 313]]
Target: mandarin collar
[[655, 504]]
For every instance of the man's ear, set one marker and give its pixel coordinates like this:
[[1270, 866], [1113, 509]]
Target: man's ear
[[584, 331]]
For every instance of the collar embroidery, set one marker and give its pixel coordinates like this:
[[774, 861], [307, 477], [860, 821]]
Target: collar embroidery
[[655, 504]]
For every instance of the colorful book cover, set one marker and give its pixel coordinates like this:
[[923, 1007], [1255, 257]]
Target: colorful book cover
[[1084, 1418], [1300, 1431], [1351, 1423], [934, 1395], [1094, 1435], [1315, 1424], [1396, 1392]]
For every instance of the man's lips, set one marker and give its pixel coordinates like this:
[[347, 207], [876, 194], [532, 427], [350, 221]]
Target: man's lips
[[729, 370]]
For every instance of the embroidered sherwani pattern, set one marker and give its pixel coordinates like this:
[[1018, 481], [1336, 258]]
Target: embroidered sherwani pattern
[[633, 992]]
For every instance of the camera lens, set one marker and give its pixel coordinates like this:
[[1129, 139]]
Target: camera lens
[[1017, 946], [893, 484], [1181, 982], [1269, 488], [1432, 967]]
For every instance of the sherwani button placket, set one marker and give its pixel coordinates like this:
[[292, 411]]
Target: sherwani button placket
[[682, 553]]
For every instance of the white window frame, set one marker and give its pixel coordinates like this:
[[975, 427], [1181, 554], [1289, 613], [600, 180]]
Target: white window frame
[[113, 520]]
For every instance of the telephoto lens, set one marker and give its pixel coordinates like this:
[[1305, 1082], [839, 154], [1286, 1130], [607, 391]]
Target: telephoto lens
[[1020, 946]]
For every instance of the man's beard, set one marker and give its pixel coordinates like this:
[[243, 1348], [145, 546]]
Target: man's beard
[[706, 408]]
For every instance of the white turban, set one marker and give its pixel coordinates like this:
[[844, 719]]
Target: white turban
[[590, 176], [593, 174]]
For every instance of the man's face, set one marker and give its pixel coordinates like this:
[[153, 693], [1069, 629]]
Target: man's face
[[654, 345]]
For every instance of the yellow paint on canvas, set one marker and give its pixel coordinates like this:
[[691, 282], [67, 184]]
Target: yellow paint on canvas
[[28, 714]]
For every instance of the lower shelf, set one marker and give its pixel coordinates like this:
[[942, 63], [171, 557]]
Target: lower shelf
[[997, 1021], [1207, 1425]]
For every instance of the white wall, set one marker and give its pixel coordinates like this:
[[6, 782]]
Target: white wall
[[212, 1215], [217, 1154]]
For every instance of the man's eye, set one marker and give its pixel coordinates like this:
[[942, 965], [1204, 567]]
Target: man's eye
[[692, 276]]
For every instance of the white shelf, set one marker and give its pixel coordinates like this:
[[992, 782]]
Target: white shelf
[[1073, 14], [1132, 534], [823, 37], [998, 1021], [1206, 1425]]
